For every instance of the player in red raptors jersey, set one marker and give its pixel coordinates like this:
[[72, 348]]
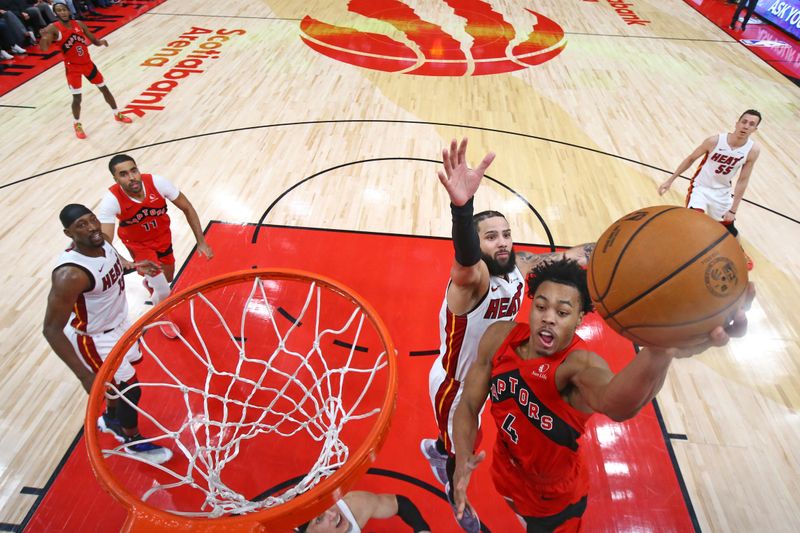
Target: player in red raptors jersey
[[87, 313], [73, 38], [139, 202], [711, 189], [486, 285], [544, 385]]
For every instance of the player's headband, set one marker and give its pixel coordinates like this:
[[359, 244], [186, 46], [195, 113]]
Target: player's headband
[[71, 213]]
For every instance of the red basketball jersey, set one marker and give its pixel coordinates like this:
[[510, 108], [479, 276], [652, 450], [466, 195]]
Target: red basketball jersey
[[145, 221], [536, 453], [73, 43]]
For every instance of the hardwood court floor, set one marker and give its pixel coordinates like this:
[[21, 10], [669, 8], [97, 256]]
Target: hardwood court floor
[[585, 137]]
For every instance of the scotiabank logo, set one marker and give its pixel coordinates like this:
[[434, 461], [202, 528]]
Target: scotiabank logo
[[485, 43]]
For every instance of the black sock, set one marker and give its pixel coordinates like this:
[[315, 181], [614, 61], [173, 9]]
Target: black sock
[[440, 447], [131, 438]]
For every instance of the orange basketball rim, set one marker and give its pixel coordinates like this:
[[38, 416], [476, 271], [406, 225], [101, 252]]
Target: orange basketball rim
[[145, 517]]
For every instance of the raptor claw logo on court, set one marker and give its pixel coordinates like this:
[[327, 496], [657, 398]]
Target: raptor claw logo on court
[[469, 38], [721, 276]]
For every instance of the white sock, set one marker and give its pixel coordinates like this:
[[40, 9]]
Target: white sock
[[160, 288]]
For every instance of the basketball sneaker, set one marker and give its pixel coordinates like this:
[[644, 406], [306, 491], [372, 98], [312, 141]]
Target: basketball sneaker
[[106, 424], [438, 461], [149, 452], [170, 330], [469, 520], [79, 133], [119, 117]]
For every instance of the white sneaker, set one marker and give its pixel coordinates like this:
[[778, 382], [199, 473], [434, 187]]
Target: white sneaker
[[17, 49], [5, 56], [152, 453]]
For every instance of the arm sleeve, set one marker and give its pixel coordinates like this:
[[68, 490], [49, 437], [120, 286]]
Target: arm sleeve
[[409, 514], [465, 237], [165, 187], [109, 209]]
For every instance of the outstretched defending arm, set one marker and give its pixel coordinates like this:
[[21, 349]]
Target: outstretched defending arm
[[68, 283], [527, 261], [704, 148], [470, 276]]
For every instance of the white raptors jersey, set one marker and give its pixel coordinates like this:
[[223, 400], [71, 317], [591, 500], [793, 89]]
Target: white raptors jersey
[[103, 306], [460, 334], [719, 167]]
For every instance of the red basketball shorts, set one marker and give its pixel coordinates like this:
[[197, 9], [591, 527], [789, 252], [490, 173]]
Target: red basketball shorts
[[159, 252], [77, 71]]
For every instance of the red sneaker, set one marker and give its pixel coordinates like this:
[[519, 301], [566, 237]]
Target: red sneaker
[[79, 133], [170, 330], [119, 117]]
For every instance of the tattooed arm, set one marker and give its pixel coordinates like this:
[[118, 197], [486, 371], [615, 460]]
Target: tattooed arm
[[527, 261]]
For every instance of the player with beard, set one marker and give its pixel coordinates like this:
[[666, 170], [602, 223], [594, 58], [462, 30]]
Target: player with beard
[[486, 286], [139, 202], [545, 385]]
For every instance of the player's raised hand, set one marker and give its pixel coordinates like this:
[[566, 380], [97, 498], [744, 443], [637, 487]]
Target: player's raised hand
[[464, 469], [458, 179], [103, 42]]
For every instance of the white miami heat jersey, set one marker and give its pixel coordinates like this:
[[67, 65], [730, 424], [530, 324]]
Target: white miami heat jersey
[[719, 167], [460, 334], [103, 306]]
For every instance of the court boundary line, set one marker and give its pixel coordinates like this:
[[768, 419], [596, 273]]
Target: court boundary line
[[378, 121]]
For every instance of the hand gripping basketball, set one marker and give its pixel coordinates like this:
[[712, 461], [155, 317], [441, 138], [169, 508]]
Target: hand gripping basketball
[[668, 276]]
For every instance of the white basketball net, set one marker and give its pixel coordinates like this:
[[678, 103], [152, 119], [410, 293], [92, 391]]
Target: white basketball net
[[253, 407]]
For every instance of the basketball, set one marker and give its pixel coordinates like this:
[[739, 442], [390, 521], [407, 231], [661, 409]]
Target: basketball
[[667, 276]]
